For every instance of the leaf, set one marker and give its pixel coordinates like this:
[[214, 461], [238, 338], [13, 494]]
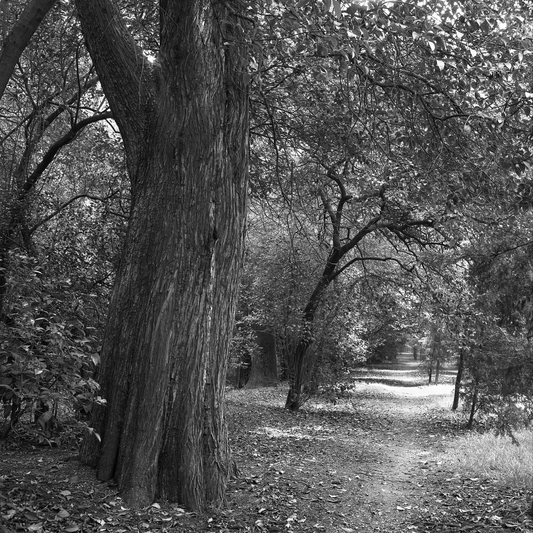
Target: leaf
[[72, 528], [63, 513], [337, 9], [441, 64], [321, 50], [485, 26], [44, 418], [29, 515], [441, 45]]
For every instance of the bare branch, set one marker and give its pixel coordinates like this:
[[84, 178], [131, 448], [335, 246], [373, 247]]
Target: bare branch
[[363, 259], [52, 151], [71, 201]]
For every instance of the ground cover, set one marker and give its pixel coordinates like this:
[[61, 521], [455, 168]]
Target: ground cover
[[373, 461]]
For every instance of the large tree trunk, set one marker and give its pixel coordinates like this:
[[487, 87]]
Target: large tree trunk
[[185, 129]]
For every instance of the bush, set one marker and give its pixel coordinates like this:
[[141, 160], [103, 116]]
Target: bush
[[498, 388], [48, 353]]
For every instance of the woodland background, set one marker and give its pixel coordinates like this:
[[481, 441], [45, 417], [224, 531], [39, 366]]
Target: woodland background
[[390, 203]]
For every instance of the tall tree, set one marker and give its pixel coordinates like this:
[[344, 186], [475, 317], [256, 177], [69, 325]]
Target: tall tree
[[184, 122]]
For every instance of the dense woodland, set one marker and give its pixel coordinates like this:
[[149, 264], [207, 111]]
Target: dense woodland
[[201, 195]]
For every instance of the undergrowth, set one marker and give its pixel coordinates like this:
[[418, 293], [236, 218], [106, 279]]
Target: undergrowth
[[489, 456]]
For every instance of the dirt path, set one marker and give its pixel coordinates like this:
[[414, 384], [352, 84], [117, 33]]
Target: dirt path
[[365, 459], [367, 463], [396, 487]]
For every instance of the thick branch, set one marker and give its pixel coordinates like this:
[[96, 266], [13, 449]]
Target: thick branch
[[18, 205], [327, 207], [20, 36], [335, 216], [124, 71], [52, 151], [42, 126], [362, 259]]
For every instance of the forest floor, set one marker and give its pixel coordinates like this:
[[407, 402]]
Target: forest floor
[[369, 462]]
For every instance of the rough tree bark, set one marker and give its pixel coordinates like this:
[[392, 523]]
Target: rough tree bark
[[184, 121]]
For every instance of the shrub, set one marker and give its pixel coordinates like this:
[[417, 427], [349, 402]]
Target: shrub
[[48, 352]]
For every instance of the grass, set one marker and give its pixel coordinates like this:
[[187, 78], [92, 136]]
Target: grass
[[488, 456]]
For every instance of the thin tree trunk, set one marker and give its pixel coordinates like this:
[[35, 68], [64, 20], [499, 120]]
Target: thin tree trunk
[[472, 410], [297, 363], [458, 379], [437, 372], [299, 366]]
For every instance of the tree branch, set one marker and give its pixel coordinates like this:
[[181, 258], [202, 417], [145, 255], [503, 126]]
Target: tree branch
[[126, 75], [363, 259], [52, 151], [20, 36], [67, 203]]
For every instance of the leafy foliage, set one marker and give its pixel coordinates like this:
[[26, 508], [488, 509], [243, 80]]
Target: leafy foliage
[[49, 352]]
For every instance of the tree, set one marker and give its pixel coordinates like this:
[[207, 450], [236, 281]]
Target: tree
[[56, 245], [183, 119], [50, 100], [389, 110]]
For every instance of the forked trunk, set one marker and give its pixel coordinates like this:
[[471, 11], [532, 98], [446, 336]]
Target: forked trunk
[[185, 130]]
